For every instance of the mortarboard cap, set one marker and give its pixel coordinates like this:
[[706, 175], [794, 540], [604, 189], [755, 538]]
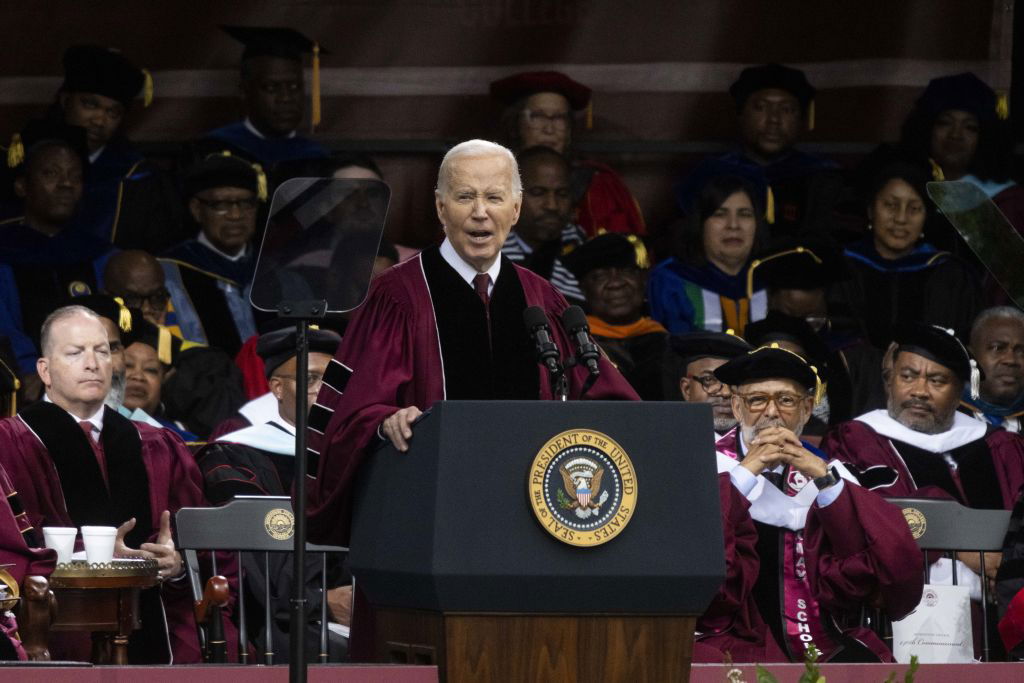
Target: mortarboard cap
[[167, 346], [277, 347], [39, 132], [223, 169], [111, 308], [777, 326], [765, 76], [273, 41], [610, 250], [689, 189], [771, 362], [105, 71], [513, 88], [965, 92], [697, 345], [940, 345], [808, 263]]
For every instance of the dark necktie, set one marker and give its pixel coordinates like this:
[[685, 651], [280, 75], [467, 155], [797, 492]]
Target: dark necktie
[[97, 447], [480, 283]]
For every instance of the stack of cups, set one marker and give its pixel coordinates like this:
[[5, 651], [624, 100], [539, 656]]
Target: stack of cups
[[61, 539]]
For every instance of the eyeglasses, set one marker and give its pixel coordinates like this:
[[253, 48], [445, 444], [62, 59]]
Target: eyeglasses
[[313, 379], [222, 207], [539, 119], [711, 384], [785, 401], [156, 299]]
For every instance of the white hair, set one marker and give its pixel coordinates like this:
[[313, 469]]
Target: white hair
[[1010, 312], [477, 149]]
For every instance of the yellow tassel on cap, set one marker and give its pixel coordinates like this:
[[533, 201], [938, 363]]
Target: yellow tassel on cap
[[937, 173], [589, 115], [819, 386], [643, 259], [1002, 105], [124, 316], [16, 152], [769, 206], [163, 346], [314, 91], [147, 88], [810, 115], [261, 182]]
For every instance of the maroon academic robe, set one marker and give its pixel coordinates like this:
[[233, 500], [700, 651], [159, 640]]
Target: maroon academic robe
[[814, 581], [167, 478], [17, 537], [883, 469], [732, 625], [391, 357]]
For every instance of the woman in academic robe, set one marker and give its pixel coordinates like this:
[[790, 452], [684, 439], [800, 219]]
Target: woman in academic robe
[[898, 276], [703, 285]]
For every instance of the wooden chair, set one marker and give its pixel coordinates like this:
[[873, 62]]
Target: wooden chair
[[246, 524], [946, 525]]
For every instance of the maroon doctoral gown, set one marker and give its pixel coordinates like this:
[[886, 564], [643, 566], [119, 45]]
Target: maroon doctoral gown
[[20, 556], [422, 336], [149, 470], [895, 461], [814, 580]]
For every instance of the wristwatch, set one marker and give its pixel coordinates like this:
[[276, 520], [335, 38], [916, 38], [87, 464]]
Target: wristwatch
[[831, 478]]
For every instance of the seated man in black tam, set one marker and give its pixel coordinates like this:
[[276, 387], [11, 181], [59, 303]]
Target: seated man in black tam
[[259, 460], [209, 277], [613, 282], [699, 354], [42, 259], [127, 201]]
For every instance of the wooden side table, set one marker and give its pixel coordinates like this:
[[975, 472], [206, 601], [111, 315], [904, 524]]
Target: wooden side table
[[102, 599]]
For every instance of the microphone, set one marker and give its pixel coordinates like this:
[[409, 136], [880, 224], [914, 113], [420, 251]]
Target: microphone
[[547, 352], [575, 323]]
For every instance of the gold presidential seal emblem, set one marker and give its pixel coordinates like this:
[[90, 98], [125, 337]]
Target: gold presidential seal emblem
[[280, 524], [917, 521], [582, 487]]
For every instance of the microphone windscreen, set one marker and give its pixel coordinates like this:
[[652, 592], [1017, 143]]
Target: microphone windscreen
[[573, 318], [534, 317]]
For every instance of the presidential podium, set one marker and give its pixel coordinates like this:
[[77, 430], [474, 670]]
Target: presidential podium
[[542, 541]]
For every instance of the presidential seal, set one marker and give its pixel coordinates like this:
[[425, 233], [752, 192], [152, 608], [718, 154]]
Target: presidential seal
[[917, 522], [280, 524], [582, 487]]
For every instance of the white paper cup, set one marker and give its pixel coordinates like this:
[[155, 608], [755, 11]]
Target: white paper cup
[[99, 543], [61, 539]]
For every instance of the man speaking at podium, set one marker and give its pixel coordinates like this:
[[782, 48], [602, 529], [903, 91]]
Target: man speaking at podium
[[446, 324]]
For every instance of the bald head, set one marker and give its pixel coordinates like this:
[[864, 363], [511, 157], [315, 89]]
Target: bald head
[[136, 277]]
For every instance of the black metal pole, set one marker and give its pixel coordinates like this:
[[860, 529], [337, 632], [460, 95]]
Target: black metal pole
[[297, 635]]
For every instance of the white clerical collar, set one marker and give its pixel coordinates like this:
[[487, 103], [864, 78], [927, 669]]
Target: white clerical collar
[[255, 131], [96, 155], [965, 429], [96, 418], [209, 245], [466, 271]]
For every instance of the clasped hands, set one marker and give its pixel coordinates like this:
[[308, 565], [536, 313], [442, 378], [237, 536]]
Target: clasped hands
[[168, 559], [777, 445]]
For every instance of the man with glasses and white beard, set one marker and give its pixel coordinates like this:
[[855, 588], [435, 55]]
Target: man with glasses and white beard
[[827, 546]]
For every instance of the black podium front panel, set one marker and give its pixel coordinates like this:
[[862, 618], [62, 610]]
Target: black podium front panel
[[448, 525]]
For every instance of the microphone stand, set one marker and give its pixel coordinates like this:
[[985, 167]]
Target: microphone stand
[[302, 312]]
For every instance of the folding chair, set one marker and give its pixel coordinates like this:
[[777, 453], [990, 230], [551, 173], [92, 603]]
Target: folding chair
[[246, 524], [947, 525]]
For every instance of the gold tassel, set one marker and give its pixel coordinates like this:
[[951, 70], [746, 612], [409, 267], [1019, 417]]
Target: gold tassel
[[163, 346], [315, 89], [261, 183], [819, 387], [769, 206], [643, 259], [124, 316], [16, 152], [810, 115], [147, 88], [750, 277], [1002, 105], [589, 117], [937, 173]]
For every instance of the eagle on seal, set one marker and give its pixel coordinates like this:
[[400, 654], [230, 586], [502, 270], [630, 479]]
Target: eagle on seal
[[580, 491]]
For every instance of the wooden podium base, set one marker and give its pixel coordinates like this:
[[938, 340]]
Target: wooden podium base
[[532, 647]]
